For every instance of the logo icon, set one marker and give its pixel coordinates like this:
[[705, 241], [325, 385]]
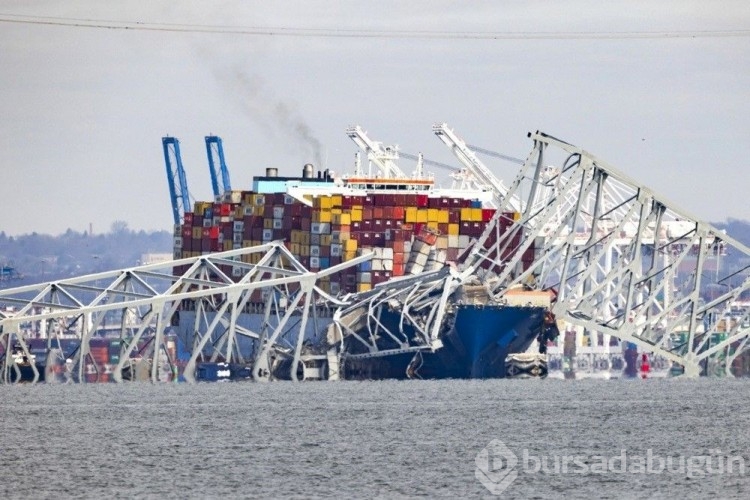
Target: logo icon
[[496, 467]]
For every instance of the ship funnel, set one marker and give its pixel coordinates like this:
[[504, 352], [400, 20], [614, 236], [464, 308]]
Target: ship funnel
[[272, 172], [308, 171]]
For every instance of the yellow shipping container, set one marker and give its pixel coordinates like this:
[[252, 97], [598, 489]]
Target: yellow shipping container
[[341, 219], [349, 245], [336, 200], [322, 202], [466, 215], [227, 245], [322, 215], [267, 223], [443, 216], [422, 215], [325, 240], [349, 255], [432, 214], [197, 233], [364, 287], [411, 214], [476, 215], [433, 225], [336, 211], [304, 250], [356, 214], [239, 212], [453, 229], [258, 210]]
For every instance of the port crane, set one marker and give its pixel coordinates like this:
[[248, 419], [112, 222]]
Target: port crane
[[383, 157], [475, 166], [217, 166], [178, 190]]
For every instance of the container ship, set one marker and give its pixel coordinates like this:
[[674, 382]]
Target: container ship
[[410, 226]]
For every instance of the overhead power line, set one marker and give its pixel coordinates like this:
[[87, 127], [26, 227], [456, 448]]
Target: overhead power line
[[287, 31]]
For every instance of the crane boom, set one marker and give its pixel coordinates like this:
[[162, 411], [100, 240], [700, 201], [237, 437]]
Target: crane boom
[[217, 165], [383, 158], [478, 169], [178, 190]]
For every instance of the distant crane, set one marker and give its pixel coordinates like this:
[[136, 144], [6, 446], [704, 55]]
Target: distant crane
[[178, 190], [218, 167]]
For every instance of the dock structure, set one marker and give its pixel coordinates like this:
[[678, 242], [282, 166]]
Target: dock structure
[[627, 268]]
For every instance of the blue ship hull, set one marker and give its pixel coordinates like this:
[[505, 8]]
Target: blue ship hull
[[475, 347]]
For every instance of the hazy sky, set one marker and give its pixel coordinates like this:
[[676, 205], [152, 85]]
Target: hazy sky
[[84, 109]]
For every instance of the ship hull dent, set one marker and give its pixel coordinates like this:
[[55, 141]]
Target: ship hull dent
[[475, 347]]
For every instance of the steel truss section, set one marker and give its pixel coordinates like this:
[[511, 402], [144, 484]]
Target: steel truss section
[[147, 299], [415, 298], [623, 260]]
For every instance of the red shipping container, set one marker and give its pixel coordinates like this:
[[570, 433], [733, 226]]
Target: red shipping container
[[487, 214], [213, 232], [367, 213], [398, 213], [422, 201], [398, 269], [294, 209], [388, 212], [378, 212]]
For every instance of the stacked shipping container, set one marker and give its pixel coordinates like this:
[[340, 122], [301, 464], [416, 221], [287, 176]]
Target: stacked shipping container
[[407, 233]]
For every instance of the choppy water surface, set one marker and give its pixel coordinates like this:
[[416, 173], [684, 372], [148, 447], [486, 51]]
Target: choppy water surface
[[376, 439]]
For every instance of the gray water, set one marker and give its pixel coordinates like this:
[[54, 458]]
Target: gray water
[[372, 439]]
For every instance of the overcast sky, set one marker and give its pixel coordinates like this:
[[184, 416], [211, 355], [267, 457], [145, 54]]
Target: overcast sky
[[84, 109]]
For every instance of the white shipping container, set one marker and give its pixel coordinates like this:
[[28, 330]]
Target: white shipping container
[[364, 277], [314, 262], [336, 250], [278, 224], [267, 234], [377, 264], [238, 226], [178, 241], [388, 253], [387, 265], [278, 212], [314, 251]]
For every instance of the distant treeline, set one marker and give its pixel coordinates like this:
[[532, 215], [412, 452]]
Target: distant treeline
[[39, 257]]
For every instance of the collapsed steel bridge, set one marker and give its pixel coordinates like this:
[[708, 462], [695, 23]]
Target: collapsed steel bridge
[[218, 287], [624, 262]]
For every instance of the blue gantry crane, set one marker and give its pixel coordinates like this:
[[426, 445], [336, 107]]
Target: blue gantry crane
[[178, 190], [215, 152]]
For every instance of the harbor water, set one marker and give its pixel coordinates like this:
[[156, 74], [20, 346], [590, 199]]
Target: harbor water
[[567, 438]]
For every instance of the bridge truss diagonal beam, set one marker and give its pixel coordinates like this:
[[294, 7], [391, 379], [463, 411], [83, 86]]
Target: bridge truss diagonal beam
[[624, 261]]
